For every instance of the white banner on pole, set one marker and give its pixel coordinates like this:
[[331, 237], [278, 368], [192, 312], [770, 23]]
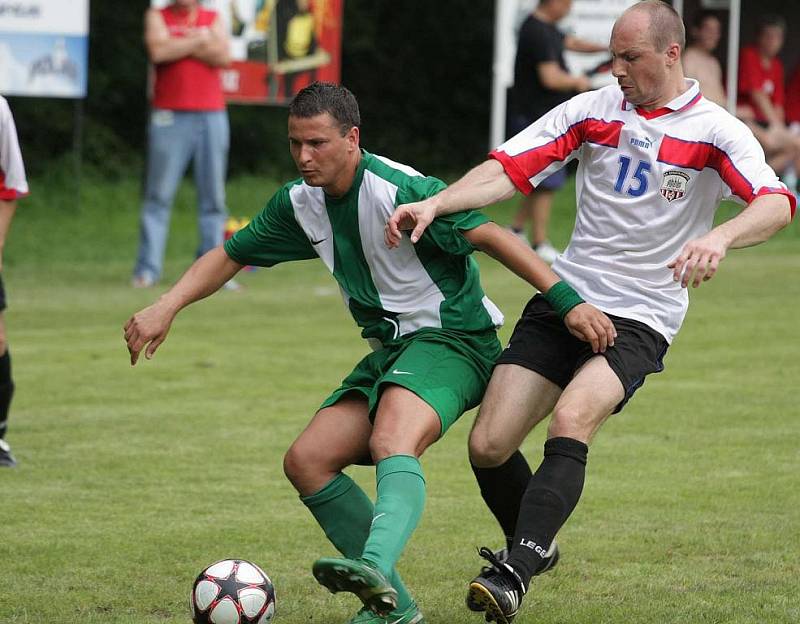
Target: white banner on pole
[[44, 48], [588, 19]]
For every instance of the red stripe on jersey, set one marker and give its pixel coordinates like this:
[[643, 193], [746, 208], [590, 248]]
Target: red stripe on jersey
[[697, 155], [526, 165], [768, 190], [513, 171], [665, 110], [8, 194]]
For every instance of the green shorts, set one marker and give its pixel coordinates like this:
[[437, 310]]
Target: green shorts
[[447, 369]]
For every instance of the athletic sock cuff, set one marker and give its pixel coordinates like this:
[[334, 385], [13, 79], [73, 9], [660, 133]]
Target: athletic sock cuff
[[5, 365], [336, 487], [398, 463], [567, 447]]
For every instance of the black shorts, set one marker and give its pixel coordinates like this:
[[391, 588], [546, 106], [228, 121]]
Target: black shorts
[[2, 295], [542, 343]]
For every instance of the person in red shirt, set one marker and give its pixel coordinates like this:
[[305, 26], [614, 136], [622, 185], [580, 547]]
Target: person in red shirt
[[793, 100], [187, 45], [761, 94]]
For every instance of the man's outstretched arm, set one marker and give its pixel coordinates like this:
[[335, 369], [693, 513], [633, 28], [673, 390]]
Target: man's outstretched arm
[[759, 221], [583, 320], [149, 327], [485, 184]]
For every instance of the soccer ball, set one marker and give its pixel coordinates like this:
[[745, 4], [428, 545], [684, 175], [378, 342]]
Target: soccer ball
[[232, 591]]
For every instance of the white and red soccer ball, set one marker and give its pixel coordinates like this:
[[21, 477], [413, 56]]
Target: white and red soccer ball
[[233, 591]]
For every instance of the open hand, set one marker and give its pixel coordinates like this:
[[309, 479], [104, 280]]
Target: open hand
[[700, 259]]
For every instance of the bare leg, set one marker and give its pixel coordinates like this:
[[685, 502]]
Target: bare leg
[[336, 437], [555, 488], [541, 205], [515, 401], [524, 214]]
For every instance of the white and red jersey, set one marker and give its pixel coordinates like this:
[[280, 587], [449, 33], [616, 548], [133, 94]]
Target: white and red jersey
[[648, 182], [12, 171]]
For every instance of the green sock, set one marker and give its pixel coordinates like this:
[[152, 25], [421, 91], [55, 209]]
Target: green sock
[[344, 512], [401, 498]]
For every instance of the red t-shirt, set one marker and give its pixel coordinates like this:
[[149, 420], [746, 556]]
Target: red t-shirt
[[188, 83], [793, 97], [754, 76]]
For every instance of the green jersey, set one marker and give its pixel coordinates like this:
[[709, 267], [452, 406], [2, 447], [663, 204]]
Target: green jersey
[[389, 292]]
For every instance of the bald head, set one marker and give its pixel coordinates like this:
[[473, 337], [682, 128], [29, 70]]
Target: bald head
[[665, 26]]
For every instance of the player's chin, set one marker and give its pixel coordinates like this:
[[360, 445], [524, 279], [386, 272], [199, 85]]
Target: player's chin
[[313, 179]]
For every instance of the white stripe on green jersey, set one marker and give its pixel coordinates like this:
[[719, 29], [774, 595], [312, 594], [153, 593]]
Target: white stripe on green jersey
[[389, 292]]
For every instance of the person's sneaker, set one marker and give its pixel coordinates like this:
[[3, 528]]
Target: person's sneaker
[[409, 615], [549, 560], [359, 578], [546, 251], [142, 281], [520, 234], [232, 285], [6, 458], [497, 590]]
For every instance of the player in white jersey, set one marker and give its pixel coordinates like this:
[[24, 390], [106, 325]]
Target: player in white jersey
[[656, 158], [13, 185], [422, 310]]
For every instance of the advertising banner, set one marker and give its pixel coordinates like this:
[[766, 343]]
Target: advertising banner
[[44, 48], [278, 46]]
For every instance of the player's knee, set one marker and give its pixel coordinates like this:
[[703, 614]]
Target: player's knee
[[567, 422], [487, 451], [299, 466], [382, 445]]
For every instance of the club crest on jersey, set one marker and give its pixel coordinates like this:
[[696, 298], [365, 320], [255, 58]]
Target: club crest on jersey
[[674, 184]]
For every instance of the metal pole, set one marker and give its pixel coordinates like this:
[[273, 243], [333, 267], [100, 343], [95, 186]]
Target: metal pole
[[77, 150], [498, 111], [734, 23]]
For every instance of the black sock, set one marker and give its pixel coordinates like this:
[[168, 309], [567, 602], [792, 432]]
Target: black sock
[[6, 390], [548, 501], [502, 488]]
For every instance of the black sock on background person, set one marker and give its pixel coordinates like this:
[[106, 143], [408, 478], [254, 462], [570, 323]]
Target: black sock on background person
[[502, 488], [6, 391], [548, 501]]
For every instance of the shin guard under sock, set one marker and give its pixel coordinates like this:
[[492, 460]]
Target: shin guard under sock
[[548, 501], [6, 391], [345, 512], [502, 488], [398, 508]]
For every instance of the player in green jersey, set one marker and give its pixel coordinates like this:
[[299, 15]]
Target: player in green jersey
[[423, 311]]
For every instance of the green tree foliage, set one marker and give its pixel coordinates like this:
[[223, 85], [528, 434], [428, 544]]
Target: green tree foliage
[[421, 71]]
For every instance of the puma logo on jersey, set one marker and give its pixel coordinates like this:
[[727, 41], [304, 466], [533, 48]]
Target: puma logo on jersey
[[645, 142]]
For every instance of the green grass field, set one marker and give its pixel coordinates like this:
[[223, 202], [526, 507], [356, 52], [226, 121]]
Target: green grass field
[[132, 480]]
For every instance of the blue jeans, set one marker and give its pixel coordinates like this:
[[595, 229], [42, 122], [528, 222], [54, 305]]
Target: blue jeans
[[175, 138]]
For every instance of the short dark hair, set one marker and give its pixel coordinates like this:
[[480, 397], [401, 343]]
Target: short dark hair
[[770, 20], [325, 97]]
